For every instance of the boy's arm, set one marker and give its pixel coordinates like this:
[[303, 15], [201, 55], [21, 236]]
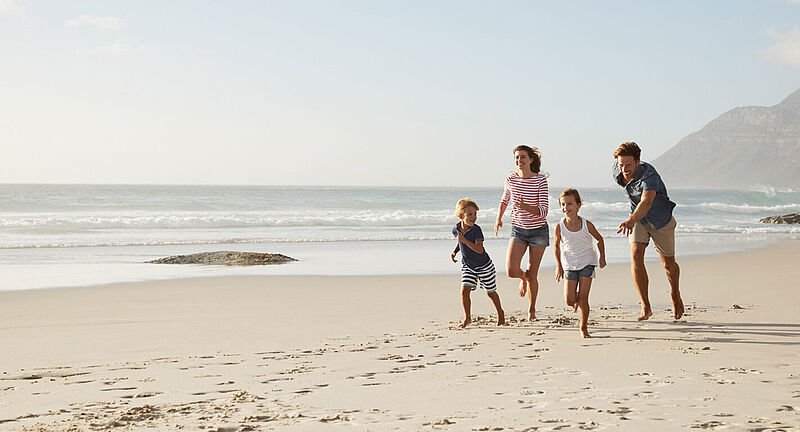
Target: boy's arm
[[455, 251], [557, 252], [600, 244], [476, 246]]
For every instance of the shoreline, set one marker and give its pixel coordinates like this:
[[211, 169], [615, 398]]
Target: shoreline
[[303, 352]]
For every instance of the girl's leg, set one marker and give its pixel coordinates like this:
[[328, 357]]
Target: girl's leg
[[532, 275], [513, 258], [583, 304], [467, 303], [571, 293]]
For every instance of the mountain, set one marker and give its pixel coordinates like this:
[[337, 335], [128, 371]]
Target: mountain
[[747, 147]]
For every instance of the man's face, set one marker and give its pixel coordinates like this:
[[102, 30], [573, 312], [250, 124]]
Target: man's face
[[627, 166]]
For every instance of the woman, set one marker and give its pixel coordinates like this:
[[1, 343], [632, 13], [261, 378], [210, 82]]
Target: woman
[[526, 190]]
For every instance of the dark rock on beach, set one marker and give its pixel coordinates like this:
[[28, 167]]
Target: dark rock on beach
[[226, 258], [785, 219]]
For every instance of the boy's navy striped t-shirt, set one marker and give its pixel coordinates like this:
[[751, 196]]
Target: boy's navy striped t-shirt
[[469, 257]]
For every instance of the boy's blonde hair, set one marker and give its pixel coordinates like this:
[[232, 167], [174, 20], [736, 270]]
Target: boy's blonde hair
[[463, 203], [573, 192]]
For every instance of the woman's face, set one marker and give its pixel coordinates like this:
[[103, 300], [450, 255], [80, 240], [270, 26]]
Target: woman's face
[[522, 160]]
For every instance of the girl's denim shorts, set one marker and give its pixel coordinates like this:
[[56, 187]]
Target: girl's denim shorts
[[536, 237], [587, 272]]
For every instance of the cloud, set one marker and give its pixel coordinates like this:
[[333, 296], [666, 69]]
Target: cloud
[[786, 49], [105, 22], [115, 49], [10, 7]]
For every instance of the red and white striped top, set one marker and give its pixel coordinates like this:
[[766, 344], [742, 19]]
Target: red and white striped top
[[533, 192]]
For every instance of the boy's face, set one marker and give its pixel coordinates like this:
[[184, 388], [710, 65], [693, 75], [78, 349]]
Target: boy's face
[[569, 206], [469, 216]]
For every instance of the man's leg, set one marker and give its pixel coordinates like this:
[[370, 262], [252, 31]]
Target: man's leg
[[673, 276], [639, 274]]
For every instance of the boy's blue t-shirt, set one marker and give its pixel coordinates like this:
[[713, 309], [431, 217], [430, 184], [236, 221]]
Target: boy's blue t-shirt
[[647, 178], [469, 257]]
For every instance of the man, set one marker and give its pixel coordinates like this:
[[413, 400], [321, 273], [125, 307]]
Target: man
[[651, 217]]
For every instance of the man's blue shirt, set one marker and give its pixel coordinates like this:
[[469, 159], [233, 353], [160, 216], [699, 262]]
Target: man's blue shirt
[[469, 257], [647, 178]]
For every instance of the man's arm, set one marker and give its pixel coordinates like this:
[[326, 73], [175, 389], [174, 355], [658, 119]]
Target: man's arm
[[640, 212]]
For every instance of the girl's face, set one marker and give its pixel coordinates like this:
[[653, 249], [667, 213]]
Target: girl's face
[[522, 160], [468, 216], [569, 206]]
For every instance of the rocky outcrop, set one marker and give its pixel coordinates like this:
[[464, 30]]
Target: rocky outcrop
[[745, 148], [785, 219], [226, 258]]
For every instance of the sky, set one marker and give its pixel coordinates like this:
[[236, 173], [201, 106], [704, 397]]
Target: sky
[[372, 93]]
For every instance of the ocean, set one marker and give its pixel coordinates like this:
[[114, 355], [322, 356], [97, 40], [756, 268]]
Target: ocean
[[70, 235]]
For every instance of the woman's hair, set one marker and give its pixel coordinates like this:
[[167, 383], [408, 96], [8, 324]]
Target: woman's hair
[[534, 154], [628, 149], [462, 205], [570, 191]]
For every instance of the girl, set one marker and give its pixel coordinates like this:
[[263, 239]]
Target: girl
[[526, 190], [575, 253]]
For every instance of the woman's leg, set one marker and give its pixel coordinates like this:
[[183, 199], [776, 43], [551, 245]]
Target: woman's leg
[[513, 259], [532, 275]]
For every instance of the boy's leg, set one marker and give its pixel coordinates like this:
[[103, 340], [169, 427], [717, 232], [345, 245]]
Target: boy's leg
[[501, 316], [513, 259], [583, 304], [571, 293], [532, 275], [467, 303], [639, 274]]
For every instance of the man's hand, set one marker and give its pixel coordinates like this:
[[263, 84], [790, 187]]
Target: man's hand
[[626, 227]]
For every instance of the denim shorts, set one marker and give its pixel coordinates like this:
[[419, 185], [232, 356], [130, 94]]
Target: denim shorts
[[536, 237], [587, 272]]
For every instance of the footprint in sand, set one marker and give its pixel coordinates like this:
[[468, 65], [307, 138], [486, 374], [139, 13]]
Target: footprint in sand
[[710, 425]]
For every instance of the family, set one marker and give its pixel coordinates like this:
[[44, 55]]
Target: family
[[526, 191]]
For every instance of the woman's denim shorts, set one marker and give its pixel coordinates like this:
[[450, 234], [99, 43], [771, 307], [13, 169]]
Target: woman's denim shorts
[[587, 272], [536, 237]]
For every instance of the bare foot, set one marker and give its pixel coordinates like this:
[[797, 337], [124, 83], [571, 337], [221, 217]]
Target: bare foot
[[585, 333], [646, 314], [677, 308], [523, 288], [532, 316], [465, 322], [501, 318]]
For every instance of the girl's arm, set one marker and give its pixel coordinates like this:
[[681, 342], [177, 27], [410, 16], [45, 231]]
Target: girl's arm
[[455, 251], [476, 246], [557, 251], [600, 244]]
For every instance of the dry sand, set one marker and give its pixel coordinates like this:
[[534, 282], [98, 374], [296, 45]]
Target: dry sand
[[384, 353]]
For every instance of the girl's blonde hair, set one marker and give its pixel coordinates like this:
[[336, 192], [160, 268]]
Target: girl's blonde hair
[[571, 191], [462, 204]]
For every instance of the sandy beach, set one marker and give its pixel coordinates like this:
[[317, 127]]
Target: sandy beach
[[377, 353]]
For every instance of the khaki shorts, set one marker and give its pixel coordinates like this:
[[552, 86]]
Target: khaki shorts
[[663, 238]]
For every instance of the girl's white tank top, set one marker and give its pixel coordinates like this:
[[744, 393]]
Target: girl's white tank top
[[577, 248]]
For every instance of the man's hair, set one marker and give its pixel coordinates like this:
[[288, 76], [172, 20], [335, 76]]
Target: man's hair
[[534, 154], [570, 191], [628, 149], [463, 204]]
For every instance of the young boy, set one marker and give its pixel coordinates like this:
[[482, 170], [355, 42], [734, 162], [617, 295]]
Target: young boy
[[475, 262]]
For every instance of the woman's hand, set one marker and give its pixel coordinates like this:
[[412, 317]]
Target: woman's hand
[[497, 225]]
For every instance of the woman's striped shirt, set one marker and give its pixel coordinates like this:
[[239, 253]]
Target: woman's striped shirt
[[533, 192]]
